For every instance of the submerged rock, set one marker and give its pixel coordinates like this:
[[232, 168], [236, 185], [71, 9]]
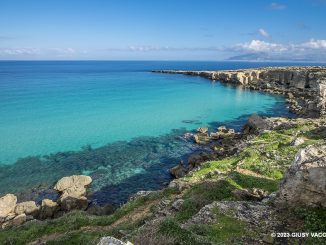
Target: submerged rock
[[305, 181], [202, 130]]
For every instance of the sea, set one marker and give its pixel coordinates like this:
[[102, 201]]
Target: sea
[[115, 121]]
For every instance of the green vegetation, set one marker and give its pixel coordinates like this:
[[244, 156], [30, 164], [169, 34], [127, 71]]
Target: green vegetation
[[224, 231], [260, 165]]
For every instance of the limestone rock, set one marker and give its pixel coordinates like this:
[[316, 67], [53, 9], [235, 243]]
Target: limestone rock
[[254, 194], [18, 220], [202, 138], [178, 171], [7, 204], [28, 208], [112, 241], [255, 124], [202, 130], [73, 189], [73, 186], [177, 204], [305, 86], [48, 209], [305, 181], [68, 203], [298, 141], [139, 194]]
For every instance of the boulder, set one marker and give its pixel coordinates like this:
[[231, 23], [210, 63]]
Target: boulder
[[202, 139], [28, 208], [48, 209], [178, 171], [255, 124], [177, 204], [68, 203], [202, 130], [250, 194], [196, 160], [109, 240], [73, 189], [73, 186], [7, 204], [16, 221], [297, 141], [305, 180]]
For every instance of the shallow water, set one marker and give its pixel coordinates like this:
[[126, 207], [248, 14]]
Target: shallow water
[[115, 121]]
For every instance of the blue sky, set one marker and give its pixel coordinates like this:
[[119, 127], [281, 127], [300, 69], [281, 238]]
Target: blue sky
[[163, 30]]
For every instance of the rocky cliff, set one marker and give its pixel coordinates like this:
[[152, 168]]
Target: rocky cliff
[[304, 87]]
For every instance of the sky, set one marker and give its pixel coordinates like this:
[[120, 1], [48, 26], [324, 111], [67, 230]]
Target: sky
[[163, 30]]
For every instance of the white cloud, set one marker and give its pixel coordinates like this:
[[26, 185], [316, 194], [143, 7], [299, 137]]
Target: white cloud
[[260, 46], [19, 51], [277, 6], [314, 44], [263, 32], [36, 52], [312, 50]]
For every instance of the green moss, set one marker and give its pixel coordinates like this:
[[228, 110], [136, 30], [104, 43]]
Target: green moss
[[314, 221], [224, 231], [171, 228], [203, 194], [248, 181]]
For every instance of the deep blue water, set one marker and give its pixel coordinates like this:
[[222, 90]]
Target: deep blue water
[[129, 118]]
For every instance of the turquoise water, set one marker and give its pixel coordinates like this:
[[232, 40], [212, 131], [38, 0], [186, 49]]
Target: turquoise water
[[128, 117]]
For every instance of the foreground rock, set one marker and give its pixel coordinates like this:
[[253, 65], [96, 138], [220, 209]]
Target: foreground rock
[[112, 241], [73, 189], [256, 125], [28, 208], [305, 181], [48, 209], [7, 204]]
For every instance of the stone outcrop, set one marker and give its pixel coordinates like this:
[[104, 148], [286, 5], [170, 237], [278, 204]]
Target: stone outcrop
[[305, 181], [256, 125], [73, 189], [305, 87], [48, 209], [7, 205], [178, 171], [28, 208], [109, 240]]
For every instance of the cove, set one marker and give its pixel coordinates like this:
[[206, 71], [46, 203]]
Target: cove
[[114, 121]]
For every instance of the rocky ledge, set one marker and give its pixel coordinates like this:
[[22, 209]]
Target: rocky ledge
[[72, 189], [304, 87]]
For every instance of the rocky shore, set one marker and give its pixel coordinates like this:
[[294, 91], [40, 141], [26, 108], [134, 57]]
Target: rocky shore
[[243, 188], [304, 87]]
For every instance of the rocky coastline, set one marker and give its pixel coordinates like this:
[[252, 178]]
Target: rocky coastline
[[304, 87], [244, 187]]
